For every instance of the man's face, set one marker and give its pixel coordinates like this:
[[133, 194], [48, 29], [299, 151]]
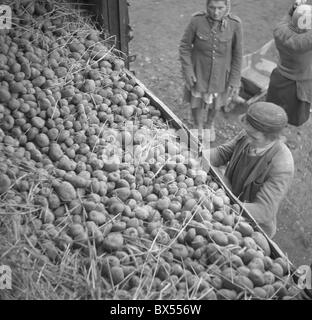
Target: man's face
[[216, 9], [256, 138]]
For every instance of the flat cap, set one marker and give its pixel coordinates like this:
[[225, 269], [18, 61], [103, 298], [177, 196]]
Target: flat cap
[[266, 117]]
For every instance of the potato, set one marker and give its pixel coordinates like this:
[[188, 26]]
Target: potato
[[5, 183], [245, 229], [244, 282], [113, 241], [218, 216], [277, 269], [262, 242], [179, 251], [243, 270], [225, 294], [163, 203], [47, 216], [190, 204], [198, 242], [236, 261], [116, 208], [218, 237], [217, 202], [42, 140], [94, 231], [259, 293], [280, 289], [249, 243], [5, 95], [141, 213], [98, 217], [256, 263], [66, 191], [50, 250], [75, 229], [7, 122], [127, 270], [249, 254], [76, 181], [106, 228], [190, 235], [257, 277], [284, 264], [269, 277], [119, 226], [268, 262], [270, 291], [122, 193], [117, 274], [232, 239]]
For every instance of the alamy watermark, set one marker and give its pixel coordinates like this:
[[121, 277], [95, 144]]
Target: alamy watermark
[[304, 274], [5, 17], [5, 277], [305, 17], [137, 146]]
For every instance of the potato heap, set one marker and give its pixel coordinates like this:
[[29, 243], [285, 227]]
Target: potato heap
[[93, 166]]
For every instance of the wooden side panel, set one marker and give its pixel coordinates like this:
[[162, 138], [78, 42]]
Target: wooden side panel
[[113, 14], [123, 25], [102, 13]]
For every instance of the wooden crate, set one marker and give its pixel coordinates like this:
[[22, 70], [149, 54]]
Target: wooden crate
[[179, 125], [256, 71], [113, 17]]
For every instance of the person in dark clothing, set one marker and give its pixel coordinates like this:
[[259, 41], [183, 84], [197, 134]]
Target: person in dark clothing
[[211, 53], [259, 166], [291, 81]]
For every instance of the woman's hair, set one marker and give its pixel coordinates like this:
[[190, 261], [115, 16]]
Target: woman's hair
[[217, 0]]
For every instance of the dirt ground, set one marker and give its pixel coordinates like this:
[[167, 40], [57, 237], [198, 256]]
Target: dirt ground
[[158, 27]]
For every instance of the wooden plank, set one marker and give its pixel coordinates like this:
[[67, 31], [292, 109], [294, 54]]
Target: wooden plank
[[256, 97], [123, 26], [113, 13], [102, 13], [178, 124]]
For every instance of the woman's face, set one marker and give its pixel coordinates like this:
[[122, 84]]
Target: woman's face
[[216, 9]]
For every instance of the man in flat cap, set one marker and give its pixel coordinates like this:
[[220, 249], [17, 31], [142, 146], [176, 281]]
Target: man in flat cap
[[260, 167]]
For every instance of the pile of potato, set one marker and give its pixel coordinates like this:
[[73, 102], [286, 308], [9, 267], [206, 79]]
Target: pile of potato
[[82, 144]]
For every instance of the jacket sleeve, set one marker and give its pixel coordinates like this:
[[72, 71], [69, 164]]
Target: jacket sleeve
[[222, 154], [237, 56], [297, 42], [185, 50], [269, 197]]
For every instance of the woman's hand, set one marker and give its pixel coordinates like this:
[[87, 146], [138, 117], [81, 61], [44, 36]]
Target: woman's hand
[[190, 81], [232, 92]]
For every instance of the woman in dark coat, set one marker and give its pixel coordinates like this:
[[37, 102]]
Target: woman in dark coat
[[211, 57], [291, 82]]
